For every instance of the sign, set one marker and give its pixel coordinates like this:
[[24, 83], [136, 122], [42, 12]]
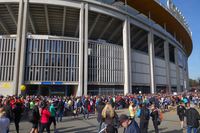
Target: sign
[[46, 83], [6, 85], [58, 83]]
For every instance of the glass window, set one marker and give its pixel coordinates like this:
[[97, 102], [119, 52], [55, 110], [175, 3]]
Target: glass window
[[171, 53]]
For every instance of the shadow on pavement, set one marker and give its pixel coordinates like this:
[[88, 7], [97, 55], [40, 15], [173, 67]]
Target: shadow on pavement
[[88, 129], [174, 131], [161, 131]]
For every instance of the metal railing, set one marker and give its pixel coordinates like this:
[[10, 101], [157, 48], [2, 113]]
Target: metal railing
[[177, 15]]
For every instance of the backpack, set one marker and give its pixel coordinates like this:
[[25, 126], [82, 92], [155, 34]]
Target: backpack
[[160, 115], [145, 114]]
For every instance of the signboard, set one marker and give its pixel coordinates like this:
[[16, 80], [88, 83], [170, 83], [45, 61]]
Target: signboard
[[52, 83], [6, 85], [58, 83], [46, 83]]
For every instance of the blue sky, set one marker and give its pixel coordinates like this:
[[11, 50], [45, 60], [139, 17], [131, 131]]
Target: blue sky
[[191, 9]]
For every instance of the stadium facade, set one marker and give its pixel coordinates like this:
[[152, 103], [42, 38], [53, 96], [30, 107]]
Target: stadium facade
[[76, 47]]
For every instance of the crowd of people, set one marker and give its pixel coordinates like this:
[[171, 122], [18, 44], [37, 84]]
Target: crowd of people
[[43, 111]]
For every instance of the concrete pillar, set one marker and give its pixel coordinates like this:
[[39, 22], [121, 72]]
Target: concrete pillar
[[86, 52], [23, 47], [167, 64], [126, 47], [151, 61], [177, 70], [129, 55], [81, 35], [18, 48]]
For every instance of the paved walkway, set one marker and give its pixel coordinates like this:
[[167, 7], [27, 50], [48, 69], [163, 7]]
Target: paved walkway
[[78, 125]]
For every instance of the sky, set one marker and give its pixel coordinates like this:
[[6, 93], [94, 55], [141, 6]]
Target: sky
[[190, 10]]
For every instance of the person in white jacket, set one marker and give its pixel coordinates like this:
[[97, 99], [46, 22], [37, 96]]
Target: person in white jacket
[[4, 122]]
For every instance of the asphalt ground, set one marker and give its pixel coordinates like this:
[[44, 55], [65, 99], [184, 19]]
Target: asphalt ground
[[170, 124]]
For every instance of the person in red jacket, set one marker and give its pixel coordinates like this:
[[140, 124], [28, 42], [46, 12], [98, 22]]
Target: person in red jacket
[[44, 120]]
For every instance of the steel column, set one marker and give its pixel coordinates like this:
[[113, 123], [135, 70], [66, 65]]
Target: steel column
[[18, 48]]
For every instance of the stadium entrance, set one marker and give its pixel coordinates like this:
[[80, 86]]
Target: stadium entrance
[[52, 90], [142, 89]]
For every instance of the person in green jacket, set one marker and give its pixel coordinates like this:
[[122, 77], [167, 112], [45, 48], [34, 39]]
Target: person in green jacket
[[52, 118]]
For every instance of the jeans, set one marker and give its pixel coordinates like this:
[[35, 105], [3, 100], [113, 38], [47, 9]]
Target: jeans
[[59, 114], [190, 128]]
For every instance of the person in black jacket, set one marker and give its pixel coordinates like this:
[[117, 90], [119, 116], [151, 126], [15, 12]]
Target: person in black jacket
[[17, 113], [36, 118], [180, 112], [144, 119], [155, 116], [192, 119]]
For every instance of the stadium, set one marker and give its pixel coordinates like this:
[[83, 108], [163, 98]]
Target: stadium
[[96, 47]]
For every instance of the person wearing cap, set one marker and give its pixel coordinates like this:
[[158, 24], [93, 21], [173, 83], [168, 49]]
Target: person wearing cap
[[4, 122], [130, 126]]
